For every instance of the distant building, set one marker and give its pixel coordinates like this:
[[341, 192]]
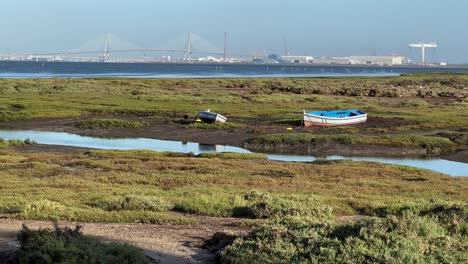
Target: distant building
[[210, 59], [362, 60], [332, 60], [377, 60], [297, 59]]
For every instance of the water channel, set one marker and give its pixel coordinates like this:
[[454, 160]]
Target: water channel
[[451, 168]]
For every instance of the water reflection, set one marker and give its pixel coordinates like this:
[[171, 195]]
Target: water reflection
[[210, 148], [452, 168]]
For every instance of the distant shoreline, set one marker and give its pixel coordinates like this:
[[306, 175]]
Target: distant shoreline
[[170, 70], [311, 65]]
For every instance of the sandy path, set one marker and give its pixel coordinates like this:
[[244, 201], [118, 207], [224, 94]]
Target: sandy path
[[163, 243]]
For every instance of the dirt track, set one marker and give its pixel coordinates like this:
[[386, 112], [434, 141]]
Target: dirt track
[[162, 243]]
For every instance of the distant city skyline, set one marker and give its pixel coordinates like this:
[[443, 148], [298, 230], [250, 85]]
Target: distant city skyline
[[315, 28]]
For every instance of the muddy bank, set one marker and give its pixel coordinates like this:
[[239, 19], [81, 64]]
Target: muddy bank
[[461, 156], [342, 150]]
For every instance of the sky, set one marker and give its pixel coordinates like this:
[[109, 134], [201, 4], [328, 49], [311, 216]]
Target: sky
[[312, 27]]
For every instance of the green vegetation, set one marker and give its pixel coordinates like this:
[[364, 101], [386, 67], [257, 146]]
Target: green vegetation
[[105, 210], [107, 123], [147, 187], [274, 98], [134, 203], [65, 245], [432, 143], [265, 206], [14, 143], [7, 116], [459, 138], [416, 103], [437, 235]]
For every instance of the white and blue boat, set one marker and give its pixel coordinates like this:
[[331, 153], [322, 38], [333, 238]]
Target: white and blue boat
[[334, 118]]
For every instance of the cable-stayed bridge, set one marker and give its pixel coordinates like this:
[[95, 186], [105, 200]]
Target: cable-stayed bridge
[[108, 47]]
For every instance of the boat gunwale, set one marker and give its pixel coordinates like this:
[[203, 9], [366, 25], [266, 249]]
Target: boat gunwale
[[335, 118], [208, 113]]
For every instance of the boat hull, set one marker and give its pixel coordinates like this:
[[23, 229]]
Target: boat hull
[[323, 121], [210, 117]]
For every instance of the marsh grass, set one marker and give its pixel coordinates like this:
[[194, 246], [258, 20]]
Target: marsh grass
[[274, 98], [8, 116], [111, 211], [144, 186], [416, 103], [431, 142], [107, 123], [134, 203], [459, 138], [14, 143]]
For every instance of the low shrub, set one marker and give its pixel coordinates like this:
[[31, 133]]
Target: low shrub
[[404, 239], [66, 245], [443, 211], [264, 206], [14, 143]]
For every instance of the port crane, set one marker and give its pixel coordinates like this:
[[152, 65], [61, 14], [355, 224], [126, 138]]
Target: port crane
[[423, 47]]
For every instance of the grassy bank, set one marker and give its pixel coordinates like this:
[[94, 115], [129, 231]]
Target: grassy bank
[[107, 123], [142, 186], [432, 144], [239, 98]]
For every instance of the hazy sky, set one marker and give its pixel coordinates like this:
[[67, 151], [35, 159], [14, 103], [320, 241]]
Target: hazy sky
[[313, 27]]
